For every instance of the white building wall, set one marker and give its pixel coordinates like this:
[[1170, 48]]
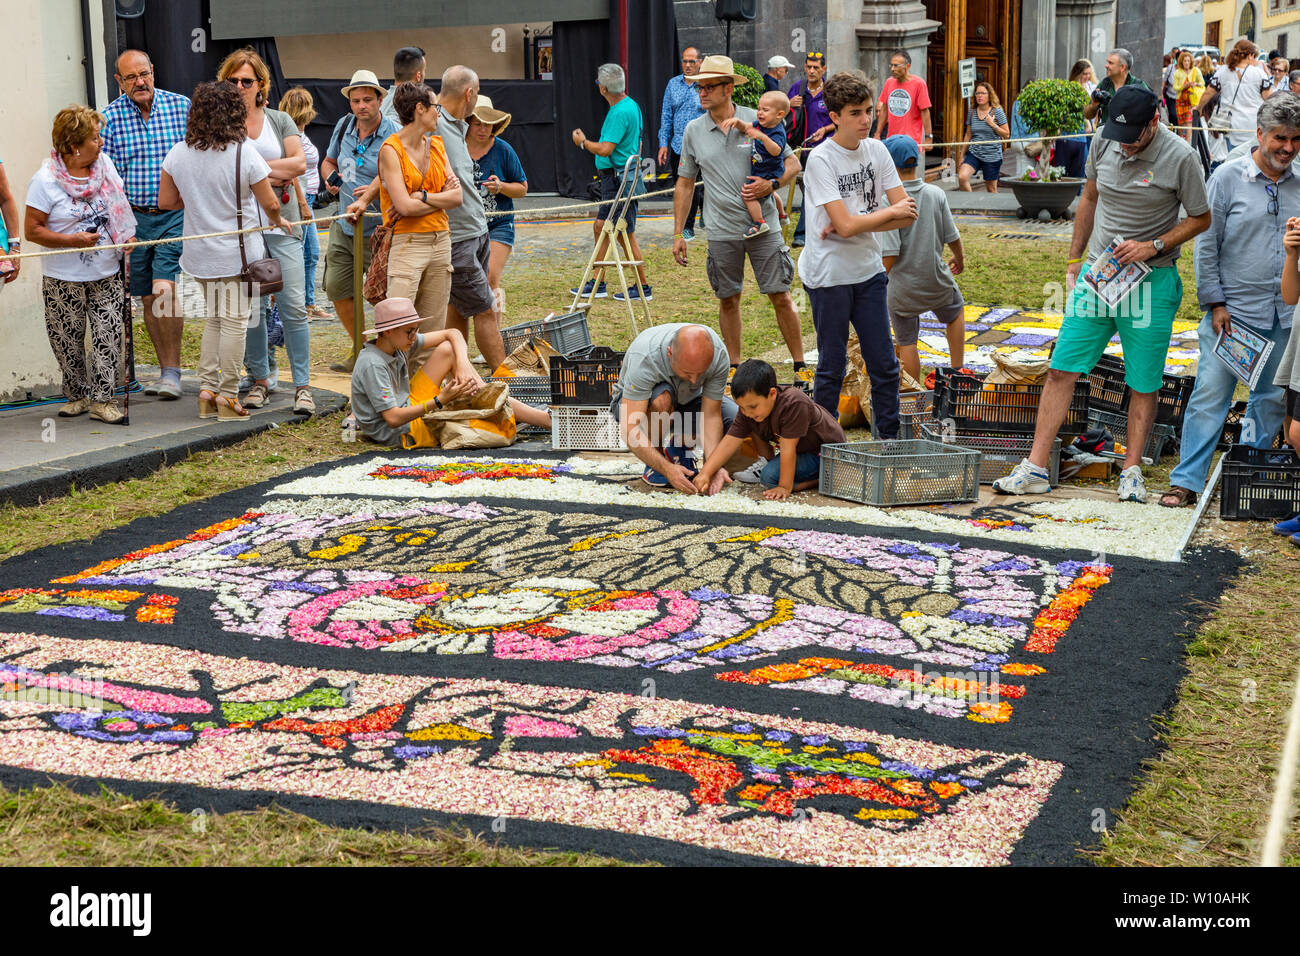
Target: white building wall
[[44, 73]]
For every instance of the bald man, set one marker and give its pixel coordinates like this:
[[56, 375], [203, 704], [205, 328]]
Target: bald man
[[670, 394]]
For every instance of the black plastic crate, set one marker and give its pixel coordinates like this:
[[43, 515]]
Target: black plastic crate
[[971, 404], [585, 380], [999, 452], [1106, 388], [1260, 484], [1232, 429], [1107, 391]]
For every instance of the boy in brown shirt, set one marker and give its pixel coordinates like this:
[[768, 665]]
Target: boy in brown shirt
[[781, 413]]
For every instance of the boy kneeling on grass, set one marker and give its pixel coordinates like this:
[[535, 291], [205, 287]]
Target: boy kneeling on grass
[[780, 413]]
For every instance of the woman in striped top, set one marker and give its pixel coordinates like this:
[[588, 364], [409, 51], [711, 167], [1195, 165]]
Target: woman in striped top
[[986, 125]]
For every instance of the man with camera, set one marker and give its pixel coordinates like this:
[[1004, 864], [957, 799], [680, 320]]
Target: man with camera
[[351, 172], [1119, 66]]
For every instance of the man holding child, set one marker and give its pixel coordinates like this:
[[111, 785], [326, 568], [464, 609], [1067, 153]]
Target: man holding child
[[717, 149]]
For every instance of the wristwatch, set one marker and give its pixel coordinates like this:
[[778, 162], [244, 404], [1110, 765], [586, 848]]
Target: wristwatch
[[776, 183], [424, 195], [1159, 245]]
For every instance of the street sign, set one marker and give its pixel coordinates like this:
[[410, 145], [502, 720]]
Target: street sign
[[966, 77]]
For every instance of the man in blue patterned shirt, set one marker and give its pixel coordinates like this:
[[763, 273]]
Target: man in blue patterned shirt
[[681, 105], [144, 123]]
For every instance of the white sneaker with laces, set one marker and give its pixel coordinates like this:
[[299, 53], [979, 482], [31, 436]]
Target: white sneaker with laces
[[1131, 485], [1025, 479], [750, 476]]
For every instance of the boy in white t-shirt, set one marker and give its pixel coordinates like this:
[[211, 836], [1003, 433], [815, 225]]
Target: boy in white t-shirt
[[853, 193]]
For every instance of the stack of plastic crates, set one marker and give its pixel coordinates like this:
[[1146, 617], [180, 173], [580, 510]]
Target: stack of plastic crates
[[582, 388]]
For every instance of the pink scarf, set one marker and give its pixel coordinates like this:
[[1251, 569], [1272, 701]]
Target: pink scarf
[[121, 220]]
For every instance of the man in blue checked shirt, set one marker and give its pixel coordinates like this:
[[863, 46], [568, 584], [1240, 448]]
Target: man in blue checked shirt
[[1239, 265], [681, 105], [143, 124]]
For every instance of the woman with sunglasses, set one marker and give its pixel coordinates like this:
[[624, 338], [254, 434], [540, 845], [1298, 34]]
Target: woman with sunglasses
[[274, 136]]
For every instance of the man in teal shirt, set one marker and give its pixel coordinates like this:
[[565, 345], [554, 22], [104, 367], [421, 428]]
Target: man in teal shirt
[[620, 138]]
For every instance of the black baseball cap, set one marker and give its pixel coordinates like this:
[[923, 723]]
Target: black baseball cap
[[1129, 113]]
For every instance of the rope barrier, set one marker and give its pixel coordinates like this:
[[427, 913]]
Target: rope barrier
[[567, 207]]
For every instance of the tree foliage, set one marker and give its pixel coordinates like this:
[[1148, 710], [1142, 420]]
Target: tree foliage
[[748, 94], [1052, 107]]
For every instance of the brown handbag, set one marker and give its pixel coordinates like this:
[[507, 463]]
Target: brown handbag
[[261, 276], [375, 288]]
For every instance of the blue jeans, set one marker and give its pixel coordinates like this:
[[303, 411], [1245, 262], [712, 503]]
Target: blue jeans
[[1212, 397], [865, 307], [310, 256], [293, 313], [799, 234], [807, 467]]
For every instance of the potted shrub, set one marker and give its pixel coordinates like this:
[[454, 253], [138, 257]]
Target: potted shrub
[[748, 94], [1052, 107]]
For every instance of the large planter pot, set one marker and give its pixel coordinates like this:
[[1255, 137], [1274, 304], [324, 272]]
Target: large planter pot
[[1055, 197]]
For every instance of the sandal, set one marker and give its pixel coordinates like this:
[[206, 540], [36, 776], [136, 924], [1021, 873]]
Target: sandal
[[1177, 497], [256, 396], [207, 404], [229, 409]]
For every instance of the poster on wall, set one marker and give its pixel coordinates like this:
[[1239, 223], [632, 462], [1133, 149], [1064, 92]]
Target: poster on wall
[[545, 59]]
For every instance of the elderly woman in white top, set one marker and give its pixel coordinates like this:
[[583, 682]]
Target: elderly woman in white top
[[76, 201], [275, 137]]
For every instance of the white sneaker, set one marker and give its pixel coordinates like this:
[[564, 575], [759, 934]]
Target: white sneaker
[[1131, 485], [750, 475], [1025, 479]]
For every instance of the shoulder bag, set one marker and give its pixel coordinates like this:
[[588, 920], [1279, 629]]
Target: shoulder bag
[[375, 288], [1221, 120], [261, 276]]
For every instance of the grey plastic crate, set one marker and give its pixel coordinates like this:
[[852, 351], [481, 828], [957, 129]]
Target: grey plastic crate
[[914, 410], [532, 390], [1161, 440], [900, 472], [567, 334], [1000, 452]]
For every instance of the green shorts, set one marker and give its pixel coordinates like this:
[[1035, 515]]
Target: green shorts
[[338, 264], [1144, 321]]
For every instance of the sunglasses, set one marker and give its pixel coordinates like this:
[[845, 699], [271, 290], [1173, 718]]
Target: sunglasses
[[1270, 189], [815, 56], [244, 81]]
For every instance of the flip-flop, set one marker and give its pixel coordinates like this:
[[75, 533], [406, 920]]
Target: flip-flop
[[1182, 497]]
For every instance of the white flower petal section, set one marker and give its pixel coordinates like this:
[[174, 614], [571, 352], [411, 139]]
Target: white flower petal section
[[1144, 531], [558, 584], [605, 623], [378, 608], [497, 610]]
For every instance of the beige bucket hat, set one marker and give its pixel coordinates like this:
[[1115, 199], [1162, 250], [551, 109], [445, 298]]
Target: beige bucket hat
[[364, 78], [717, 67], [484, 112]]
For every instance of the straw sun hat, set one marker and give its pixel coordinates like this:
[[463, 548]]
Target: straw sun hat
[[485, 113], [717, 67]]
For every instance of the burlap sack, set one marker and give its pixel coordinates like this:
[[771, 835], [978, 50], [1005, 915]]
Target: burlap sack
[[482, 421], [1009, 371], [531, 358]]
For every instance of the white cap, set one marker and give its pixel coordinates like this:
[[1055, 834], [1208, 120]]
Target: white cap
[[778, 61]]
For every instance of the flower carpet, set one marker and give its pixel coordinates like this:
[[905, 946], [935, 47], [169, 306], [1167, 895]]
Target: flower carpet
[[444, 639], [1030, 334]]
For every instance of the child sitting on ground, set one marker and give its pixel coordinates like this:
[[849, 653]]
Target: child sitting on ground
[[383, 388], [781, 413], [919, 278], [769, 139]]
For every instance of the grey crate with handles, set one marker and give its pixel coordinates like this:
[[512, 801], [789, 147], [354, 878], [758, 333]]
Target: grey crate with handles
[[914, 410], [1000, 452], [899, 472], [1162, 437], [567, 334], [534, 390]]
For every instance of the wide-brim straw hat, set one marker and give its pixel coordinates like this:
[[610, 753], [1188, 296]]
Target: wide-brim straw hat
[[484, 112], [364, 78], [717, 67], [394, 313]]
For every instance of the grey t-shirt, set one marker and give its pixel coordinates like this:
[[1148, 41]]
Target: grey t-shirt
[[723, 161], [381, 382], [1139, 198], [646, 364], [1288, 370], [467, 220], [920, 280]]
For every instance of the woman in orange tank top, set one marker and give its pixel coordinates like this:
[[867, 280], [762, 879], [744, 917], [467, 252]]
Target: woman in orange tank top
[[417, 186]]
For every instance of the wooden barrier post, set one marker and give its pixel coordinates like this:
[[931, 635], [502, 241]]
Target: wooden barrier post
[[358, 283]]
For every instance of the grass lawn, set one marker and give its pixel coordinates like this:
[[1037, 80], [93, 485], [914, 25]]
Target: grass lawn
[[1203, 801]]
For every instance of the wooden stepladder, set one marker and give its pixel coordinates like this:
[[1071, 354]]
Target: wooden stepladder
[[617, 252]]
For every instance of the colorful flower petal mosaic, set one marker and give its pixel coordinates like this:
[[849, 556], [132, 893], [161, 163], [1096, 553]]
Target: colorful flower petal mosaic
[[439, 637]]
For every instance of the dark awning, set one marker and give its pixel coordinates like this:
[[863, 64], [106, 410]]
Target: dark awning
[[233, 19]]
